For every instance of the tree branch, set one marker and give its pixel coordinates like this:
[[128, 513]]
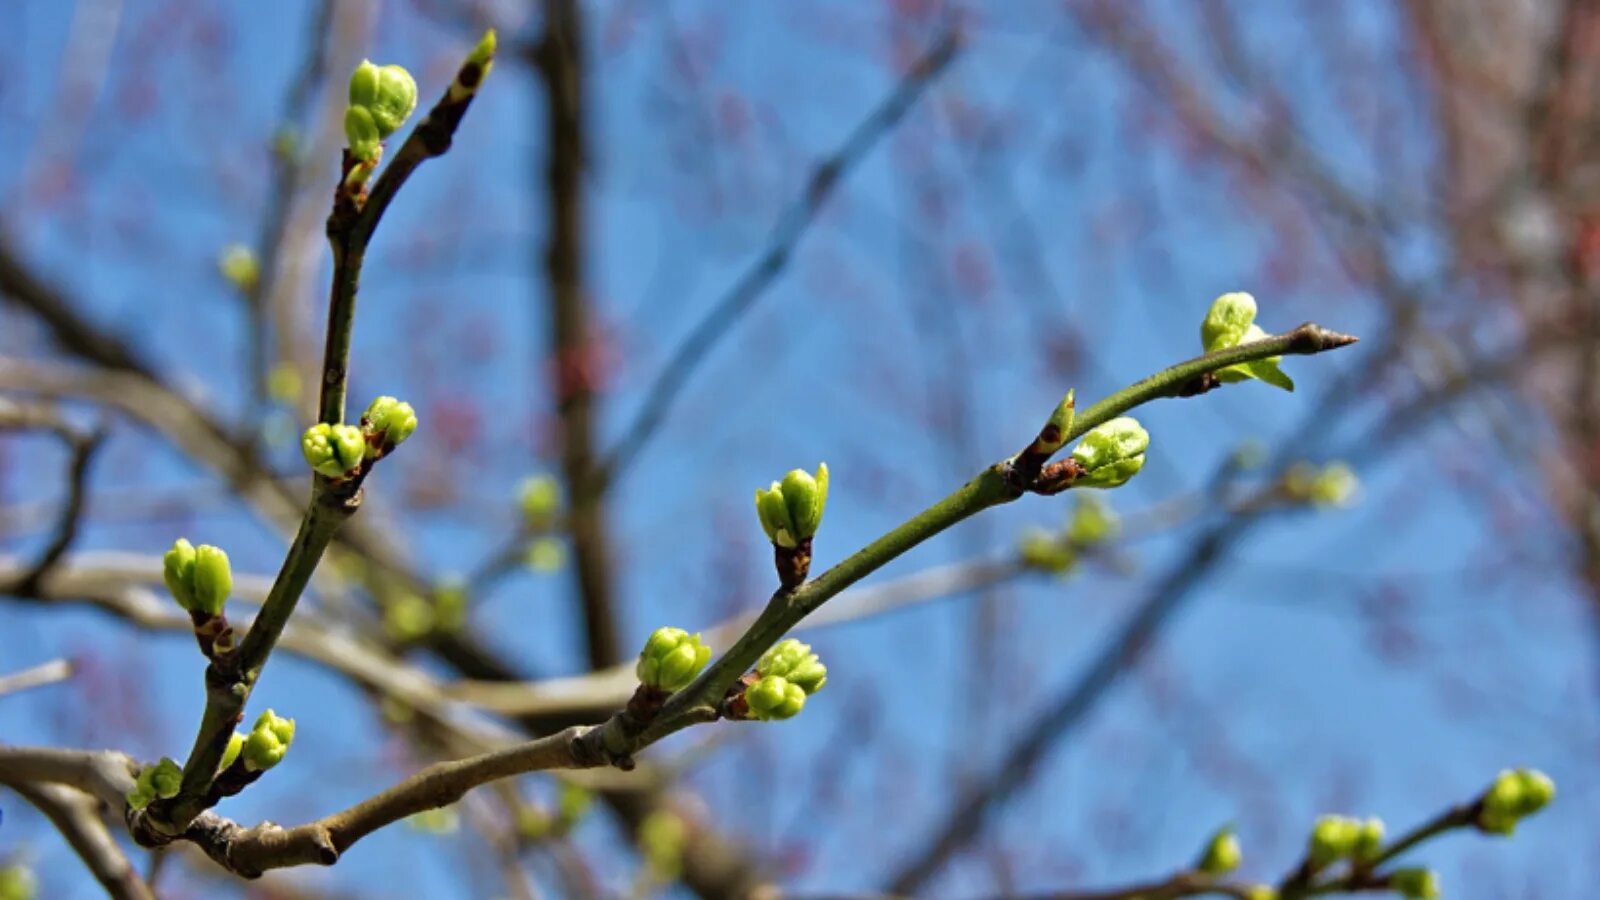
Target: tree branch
[[77, 817]]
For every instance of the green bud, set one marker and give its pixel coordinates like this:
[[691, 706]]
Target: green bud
[[235, 744], [450, 602], [409, 617], [533, 823], [1231, 322], [381, 99], [774, 697], [540, 499], [1369, 841], [267, 742], [671, 658], [546, 555], [1092, 522], [662, 836], [1045, 551], [333, 450], [774, 515], [1332, 839], [806, 496], [794, 661], [1222, 853], [17, 882], [573, 803], [177, 570], [474, 69], [239, 266], [390, 421], [1261, 892], [283, 383], [1417, 884], [1227, 321], [1111, 453], [1057, 426], [160, 781], [212, 579], [1515, 793]]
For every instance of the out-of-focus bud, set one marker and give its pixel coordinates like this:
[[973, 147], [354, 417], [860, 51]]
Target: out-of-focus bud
[[237, 263], [386, 424], [774, 697], [671, 658], [333, 450], [794, 661], [17, 882], [1261, 892], [662, 836], [267, 742], [1046, 551], [1111, 453], [1222, 853], [1369, 841], [540, 499], [1415, 884], [1516, 793], [440, 820], [1332, 838], [381, 99], [409, 617], [1092, 522], [546, 555], [573, 803]]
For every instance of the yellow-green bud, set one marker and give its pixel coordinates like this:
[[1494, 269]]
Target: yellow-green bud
[[213, 579], [439, 820], [239, 266], [662, 836], [671, 658], [177, 570], [1111, 453], [267, 742], [774, 516], [1369, 841], [409, 617], [160, 781], [231, 753], [546, 555], [774, 697], [381, 99], [1092, 522], [1416, 884], [1261, 892], [574, 801], [540, 499], [389, 420], [17, 882], [1222, 853], [1231, 322], [794, 661], [1332, 838], [806, 496], [533, 823], [1515, 793], [333, 450], [1045, 551], [1226, 322]]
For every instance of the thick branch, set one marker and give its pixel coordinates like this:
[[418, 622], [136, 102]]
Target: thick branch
[[77, 817]]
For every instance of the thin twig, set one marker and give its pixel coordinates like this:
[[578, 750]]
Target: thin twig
[[54, 671]]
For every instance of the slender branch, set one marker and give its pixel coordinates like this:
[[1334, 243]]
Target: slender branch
[[36, 676], [230, 678], [786, 235], [77, 817], [83, 446]]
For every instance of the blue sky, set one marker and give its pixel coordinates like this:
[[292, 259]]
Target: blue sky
[[1386, 659]]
